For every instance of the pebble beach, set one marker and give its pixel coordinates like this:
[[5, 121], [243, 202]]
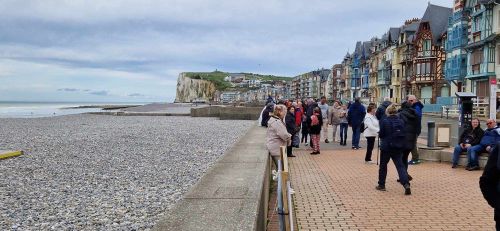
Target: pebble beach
[[94, 172]]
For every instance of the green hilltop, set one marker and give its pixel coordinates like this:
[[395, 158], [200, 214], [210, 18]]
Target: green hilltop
[[217, 77]]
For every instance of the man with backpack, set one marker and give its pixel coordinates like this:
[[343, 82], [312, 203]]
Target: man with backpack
[[412, 130], [392, 132]]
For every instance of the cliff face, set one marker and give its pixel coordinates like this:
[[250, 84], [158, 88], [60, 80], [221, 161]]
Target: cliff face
[[191, 89]]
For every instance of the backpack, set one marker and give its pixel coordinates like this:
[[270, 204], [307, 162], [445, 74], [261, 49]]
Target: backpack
[[397, 136], [314, 120], [362, 127]]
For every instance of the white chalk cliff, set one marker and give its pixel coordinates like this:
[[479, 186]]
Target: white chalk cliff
[[189, 89]]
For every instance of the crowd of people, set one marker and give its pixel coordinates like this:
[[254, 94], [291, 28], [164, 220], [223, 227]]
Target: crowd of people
[[397, 127]]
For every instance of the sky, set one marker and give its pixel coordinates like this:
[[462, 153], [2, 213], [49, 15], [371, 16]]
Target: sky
[[133, 51]]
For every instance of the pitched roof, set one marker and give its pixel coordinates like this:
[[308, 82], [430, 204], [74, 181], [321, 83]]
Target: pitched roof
[[411, 27], [393, 34], [359, 49], [437, 17], [366, 48]]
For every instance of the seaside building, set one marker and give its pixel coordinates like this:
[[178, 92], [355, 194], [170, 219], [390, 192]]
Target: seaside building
[[456, 41]]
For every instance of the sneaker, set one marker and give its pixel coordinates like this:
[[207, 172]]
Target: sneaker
[[314, 153], [356, 148], [306, 144], [454, 166], [353, 147], [380, 188], [291, 156], [326, 141], [473, 168], [413, 162], [407, 189]]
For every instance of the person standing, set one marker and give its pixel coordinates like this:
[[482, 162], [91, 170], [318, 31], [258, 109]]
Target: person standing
[[489, 183], [277, 135], [299, 112], [412, 130], [380, 114], [371, 131], [355, 116], [343, 125], [391, 133], [334, 118], [324, 113], [418, 106], [266, 114], [471, 136], [291, 128], [316, 121]]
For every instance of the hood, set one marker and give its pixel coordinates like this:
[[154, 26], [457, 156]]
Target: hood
[[418, 104], [386, 104], [408, 112], [405, 104]]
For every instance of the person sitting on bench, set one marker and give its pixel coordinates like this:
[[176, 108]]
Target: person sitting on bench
[[470, 137], [490, 138]]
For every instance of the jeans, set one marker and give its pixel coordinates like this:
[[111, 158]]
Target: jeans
[[356, 133], [397, 158], [472, 155], [456, 154], [343, 132], [334, 128], [404, 158], [370, 143]]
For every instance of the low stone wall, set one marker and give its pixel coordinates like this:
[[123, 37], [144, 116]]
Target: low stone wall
[[228, 113], [440, 155], [232, 195]]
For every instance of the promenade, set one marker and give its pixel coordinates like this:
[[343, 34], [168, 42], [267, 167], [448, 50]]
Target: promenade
[[336, 191]]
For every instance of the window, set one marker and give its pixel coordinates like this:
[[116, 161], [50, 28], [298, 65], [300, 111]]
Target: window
[[418, 68], [476, 57], [427, 45], [491, 53], [498, 54]]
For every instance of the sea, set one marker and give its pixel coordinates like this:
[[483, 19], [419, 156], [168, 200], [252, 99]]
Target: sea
[[18, 109]]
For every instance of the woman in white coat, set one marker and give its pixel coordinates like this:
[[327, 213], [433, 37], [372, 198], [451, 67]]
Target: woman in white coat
[[371, 131]]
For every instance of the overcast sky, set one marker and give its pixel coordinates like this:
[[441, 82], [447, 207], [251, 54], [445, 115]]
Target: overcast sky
[[119, 51]]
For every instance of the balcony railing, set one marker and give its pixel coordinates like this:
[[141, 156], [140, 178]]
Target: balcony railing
[[386, 80], [424, 77], [426, 54]]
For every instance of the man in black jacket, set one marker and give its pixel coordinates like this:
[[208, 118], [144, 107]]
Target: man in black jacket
[[412, 130], [490, 183]]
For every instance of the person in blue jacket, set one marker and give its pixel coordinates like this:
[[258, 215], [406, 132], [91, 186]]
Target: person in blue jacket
[[491, 137], [355, 116]]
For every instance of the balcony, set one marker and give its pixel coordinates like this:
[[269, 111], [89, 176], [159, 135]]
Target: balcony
[[426, 54], [384, 81], [424, 78], [365, 82], [355, 83]]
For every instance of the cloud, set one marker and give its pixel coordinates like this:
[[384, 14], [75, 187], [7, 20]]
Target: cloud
[[68, 89], [100, 93]]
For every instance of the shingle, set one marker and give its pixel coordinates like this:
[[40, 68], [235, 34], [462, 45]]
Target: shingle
[[437, 17]]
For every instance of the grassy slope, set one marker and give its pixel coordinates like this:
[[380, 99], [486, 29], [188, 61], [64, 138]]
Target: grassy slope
[[217, 77]]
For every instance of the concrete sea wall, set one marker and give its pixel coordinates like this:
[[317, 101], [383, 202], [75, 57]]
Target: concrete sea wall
[[228, 113]]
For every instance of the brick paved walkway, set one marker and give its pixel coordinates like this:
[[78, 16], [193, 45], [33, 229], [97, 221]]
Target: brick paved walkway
[[336, 191]]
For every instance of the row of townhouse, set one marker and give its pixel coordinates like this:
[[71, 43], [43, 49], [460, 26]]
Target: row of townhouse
[[446, 51]]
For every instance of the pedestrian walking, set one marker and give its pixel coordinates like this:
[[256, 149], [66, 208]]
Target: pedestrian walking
[[277, 135], [343, 125], [391, 133], [489, 183], [334, 118], [418, 106], [371, 131], [316, 121], [412, 130], [323, 105], [355, 116]]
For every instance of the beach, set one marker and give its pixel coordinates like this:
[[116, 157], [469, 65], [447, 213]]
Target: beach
[[97, 172]]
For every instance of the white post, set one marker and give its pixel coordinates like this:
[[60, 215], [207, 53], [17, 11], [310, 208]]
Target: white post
[[493, 98]]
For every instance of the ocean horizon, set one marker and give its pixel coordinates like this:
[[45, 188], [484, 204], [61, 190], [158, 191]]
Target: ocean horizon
[[34, 109]]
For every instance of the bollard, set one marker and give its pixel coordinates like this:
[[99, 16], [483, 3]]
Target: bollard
[[431, 133], [447, 112]]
